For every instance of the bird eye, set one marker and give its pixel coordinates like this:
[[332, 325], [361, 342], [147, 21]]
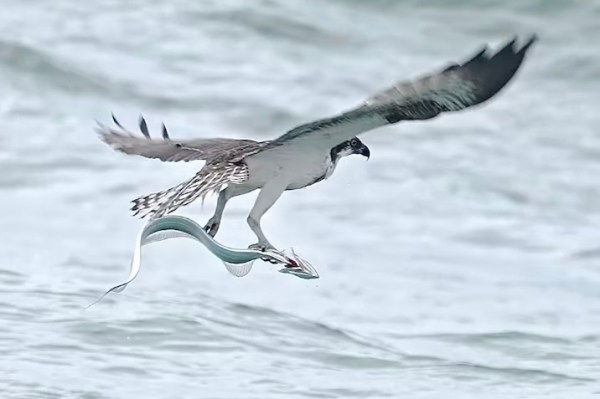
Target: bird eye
[[354, 143]]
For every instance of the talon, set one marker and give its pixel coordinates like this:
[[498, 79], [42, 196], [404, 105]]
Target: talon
[[211, 228], [258, 247], [263, 248]]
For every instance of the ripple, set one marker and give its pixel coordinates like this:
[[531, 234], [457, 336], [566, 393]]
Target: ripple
[[276, 23], [524, 374], [125, 370], [447, 273], [45, 70]]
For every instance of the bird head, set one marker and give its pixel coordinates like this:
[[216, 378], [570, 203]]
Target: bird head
[[350, 147]]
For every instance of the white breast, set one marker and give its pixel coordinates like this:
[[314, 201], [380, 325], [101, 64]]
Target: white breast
[[296, 166]]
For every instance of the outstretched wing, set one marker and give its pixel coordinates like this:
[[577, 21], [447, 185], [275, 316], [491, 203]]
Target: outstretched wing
[[456, 87], [170, 150]]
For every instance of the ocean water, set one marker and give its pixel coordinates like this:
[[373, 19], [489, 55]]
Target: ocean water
[[461, 261]]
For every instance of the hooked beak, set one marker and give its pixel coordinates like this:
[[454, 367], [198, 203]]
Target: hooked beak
[[365, 152]]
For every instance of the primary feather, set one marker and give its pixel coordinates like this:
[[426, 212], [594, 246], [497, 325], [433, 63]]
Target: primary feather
[[454, 88], [169, 150]]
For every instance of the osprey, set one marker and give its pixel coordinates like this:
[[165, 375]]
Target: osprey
[[308, 153]]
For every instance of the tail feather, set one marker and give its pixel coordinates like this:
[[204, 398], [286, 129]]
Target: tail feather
[[205, 182], [158, 204], [150, 204]]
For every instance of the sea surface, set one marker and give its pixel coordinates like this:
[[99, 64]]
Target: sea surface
[[461, 261]]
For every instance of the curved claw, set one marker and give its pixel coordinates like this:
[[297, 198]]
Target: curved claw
[[264, 248], [211, 228]]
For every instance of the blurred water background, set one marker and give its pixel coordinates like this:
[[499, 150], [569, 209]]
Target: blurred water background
[[462, 260]]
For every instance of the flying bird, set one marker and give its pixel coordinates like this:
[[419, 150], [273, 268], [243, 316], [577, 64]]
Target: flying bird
[[308, 153]]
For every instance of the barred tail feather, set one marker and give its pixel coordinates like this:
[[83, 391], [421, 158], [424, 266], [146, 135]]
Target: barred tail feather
[[150, 204], [207, 181]]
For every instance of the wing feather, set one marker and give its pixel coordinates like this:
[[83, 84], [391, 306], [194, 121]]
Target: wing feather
[[170, 150], [456, 87]]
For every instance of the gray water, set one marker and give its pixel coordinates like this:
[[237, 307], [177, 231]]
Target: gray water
[[461, 261]]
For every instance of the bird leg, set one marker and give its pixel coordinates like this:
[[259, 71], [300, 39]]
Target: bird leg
[[265, 200], [263, 244], [212, 226]]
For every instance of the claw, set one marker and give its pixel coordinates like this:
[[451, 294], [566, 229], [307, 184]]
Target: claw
[[263, 248], [211, 229], [212, 226], [257, 246]]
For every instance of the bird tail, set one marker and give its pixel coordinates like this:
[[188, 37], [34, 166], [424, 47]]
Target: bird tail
[[209, 179], [158, 204]]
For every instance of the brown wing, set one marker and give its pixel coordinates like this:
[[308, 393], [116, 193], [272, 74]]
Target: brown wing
[[169, 150]]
